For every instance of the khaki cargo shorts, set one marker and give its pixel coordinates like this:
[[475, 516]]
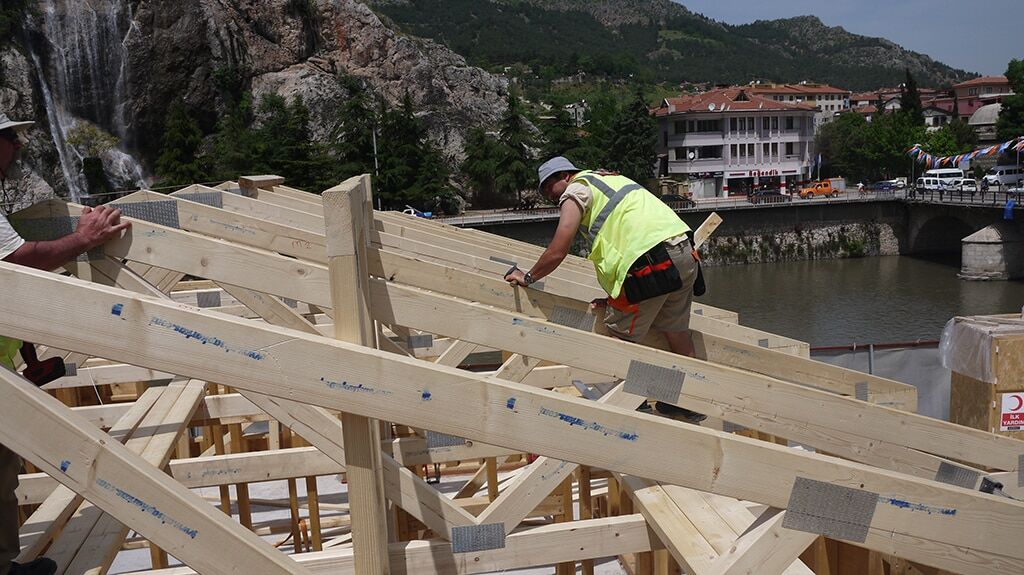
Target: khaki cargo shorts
[[669, 312]]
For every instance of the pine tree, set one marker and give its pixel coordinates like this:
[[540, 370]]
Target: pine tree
[[517, 169], [179, 162], [910, 101], [633, 146], [353, 137], [412, 169], [1011, 116], [237, 149], [483, 161], [561, 137]]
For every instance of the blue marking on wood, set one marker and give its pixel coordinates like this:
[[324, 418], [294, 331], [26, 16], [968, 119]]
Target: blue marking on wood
[[116, 310], [930, 510], [574, 421]]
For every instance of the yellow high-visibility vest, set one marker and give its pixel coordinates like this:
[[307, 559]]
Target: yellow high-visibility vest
[[624, 220], [8, 349]]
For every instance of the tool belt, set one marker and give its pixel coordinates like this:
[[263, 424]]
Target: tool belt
[[651, 275]]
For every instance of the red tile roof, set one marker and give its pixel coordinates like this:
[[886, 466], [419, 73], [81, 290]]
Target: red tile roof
[[983, 80], [864, 110], [725, 99], [796, 89], [869, 96]]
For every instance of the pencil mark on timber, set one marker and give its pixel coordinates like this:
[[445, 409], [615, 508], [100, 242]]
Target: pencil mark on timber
[[218, 472], [425, 396], [537, 328], [930, 510], [205, 339], [358, 388], [147, 508], [737, 350], [64, 464], [589, 425], [154, 233], [233, 227]]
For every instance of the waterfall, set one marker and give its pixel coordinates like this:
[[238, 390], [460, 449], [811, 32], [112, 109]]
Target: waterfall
[[84, 78]]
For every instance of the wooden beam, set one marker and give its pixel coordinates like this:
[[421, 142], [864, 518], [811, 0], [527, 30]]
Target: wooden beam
[[346, 250], [545, 545], [101, 321], [53, 438]]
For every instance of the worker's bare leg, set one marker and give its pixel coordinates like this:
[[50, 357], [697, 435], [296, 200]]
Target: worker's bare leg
[[680, 342]]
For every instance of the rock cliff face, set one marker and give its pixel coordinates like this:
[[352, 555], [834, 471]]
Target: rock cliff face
[[297, 47], [182, 49]]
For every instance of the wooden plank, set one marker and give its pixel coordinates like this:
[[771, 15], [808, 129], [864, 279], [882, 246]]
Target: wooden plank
[[51, 516], [346, 250], [396, 392], [766, 549], [156, 447], [121, 483], [542, 545]]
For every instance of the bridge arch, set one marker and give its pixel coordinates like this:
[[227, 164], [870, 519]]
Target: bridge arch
[[939, 234]]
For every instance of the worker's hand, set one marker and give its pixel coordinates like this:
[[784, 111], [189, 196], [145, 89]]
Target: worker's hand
[[598, 303], [97, 226], [516, 277]]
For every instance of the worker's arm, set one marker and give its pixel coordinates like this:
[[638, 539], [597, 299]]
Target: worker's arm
[[569, 218], [95, 227]]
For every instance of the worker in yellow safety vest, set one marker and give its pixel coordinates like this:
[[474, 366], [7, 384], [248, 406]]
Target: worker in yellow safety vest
[[640, 250], [95, 227]]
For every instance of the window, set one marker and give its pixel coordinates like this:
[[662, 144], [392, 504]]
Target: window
[[789, 122], [775, 150], [692, 126], [680, 153], [789, 148], [732, 151], [972, 91], [750, 124], [679, 127], [708, 126], [743, 150], [705, 152], [765, 123], [732, 124], [750, 150], [775, 123]]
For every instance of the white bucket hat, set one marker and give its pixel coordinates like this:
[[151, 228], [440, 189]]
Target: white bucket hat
[[7, 123], [552, 167]]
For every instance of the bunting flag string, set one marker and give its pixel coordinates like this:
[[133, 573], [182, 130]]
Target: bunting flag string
[[930, 161]]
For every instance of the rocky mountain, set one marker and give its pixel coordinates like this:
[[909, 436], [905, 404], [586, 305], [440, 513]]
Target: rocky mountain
[[661, 41], [120, 64]]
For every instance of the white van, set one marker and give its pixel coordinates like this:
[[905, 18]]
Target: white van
[[1005, 175], [933, 184], [946, 177]]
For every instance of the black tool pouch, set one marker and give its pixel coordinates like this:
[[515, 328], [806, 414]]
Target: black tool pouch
[[651, 275], [699, 287]]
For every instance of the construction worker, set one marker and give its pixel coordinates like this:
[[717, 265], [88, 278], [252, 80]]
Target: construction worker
[[95, 227], [640, 250]]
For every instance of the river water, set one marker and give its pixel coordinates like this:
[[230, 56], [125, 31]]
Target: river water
[[846, 301]]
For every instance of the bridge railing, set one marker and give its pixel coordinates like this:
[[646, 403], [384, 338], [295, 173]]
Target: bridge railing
[[991, 198]]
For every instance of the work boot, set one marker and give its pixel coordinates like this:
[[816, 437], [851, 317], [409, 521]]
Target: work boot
[[678, 413], [41, 566]]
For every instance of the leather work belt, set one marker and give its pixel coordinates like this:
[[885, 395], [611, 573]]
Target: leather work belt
[[651, 275]]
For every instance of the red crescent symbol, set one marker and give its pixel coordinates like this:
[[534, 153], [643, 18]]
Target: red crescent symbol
[[1020, 402]]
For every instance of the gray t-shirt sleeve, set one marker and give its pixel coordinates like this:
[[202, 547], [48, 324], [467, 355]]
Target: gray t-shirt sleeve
[[10, 241]]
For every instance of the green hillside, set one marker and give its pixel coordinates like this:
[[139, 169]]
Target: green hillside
[[658, 41]]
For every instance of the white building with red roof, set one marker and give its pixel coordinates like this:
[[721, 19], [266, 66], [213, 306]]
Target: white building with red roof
[[828, 99], [732, 141]]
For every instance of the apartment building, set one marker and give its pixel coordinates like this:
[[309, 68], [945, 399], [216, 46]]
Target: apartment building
[[828, 99], [729, 141]]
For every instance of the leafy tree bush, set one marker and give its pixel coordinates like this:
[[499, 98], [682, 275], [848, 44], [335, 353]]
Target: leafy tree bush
[[179, 162]]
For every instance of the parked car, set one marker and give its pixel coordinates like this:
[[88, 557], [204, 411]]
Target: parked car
[[815, 189], [969, 185], [677, 201], [770, 196], [883, 186], [409, 210], [1005, 175], [898, 183]]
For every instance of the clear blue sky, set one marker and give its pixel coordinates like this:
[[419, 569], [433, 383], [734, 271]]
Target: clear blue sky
[[979, 36]]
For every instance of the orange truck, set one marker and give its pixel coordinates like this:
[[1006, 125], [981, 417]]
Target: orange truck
[[828, 188]]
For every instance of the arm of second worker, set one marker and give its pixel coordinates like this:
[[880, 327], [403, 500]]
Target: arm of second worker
[[569, 218]]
